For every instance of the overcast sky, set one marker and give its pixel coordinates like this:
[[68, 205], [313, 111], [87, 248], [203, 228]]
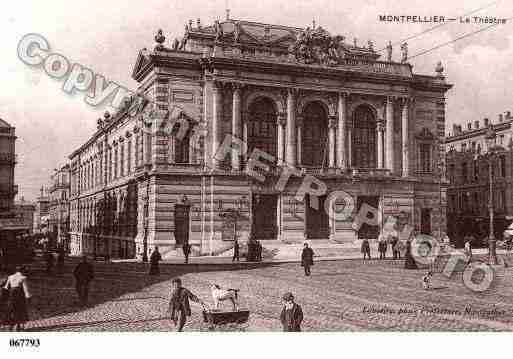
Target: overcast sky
[[106, 35]]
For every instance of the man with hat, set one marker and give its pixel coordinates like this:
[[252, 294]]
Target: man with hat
[[291, 314]]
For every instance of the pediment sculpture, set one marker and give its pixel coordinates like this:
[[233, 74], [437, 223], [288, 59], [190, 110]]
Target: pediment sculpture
[[318, 46]]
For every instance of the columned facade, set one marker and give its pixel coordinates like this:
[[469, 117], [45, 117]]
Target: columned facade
[[330, 132]]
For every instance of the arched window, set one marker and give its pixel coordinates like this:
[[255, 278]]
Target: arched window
[[314, 142], [262, 127], [364, 138]]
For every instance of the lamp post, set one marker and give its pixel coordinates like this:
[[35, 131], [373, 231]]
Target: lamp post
[[492, 150]]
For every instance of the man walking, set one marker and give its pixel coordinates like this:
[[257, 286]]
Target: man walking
[[235, 251], [83, 274], [365, 249], [291, 315], [179, 304], [307, 259], [186, 251], [60, 260]]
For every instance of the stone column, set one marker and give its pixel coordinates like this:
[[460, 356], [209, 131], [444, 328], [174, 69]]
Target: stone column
[[332, 128], [342, 159], [389, 145], [405, 136], [236, 124], [381, 129], [299, 139], [282, 121], [290, 157], [217, 117]]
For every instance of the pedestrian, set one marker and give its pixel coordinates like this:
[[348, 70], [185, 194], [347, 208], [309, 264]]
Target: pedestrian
[[468, 249], [235, 251], [83, 274], [394, 243], [179, 305], [18, 299], [60, 260], [426, 280], [49, 260], [307, 258], [155, 258], [291, 315], [409, 260], [259, 251], [382, 247], [186, 251], [365, 249]]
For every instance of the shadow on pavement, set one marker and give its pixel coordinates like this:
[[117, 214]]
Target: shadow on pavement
[[54, 295]]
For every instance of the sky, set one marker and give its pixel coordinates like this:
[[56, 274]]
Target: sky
[[106, 36]]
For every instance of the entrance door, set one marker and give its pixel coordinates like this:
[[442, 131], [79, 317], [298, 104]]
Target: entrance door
[[264, 209], [317, 220], [182, 224], [425, 221], [366, 230]]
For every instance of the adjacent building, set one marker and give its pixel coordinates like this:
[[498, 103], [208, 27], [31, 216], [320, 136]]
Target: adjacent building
[[58, 205], [157, 172], [24, 211], [468, 171], [42, 212]]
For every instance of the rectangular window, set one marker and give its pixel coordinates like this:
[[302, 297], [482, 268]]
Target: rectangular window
[[116, 162], [110, 164], [121, 160], [425, 158], [503, 166], [476, 170], [464, 172], [129, 156]]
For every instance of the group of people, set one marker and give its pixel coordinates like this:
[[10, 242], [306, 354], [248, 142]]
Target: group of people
[[383, 244], [291, 315], [16, 297], [49, 258]]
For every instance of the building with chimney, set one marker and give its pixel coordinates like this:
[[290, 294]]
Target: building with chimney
[[248, 130], [467, 164]]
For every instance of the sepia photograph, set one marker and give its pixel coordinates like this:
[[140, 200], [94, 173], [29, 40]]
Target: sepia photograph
[[246, 167]]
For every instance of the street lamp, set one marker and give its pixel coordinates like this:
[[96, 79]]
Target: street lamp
[[492, 150]]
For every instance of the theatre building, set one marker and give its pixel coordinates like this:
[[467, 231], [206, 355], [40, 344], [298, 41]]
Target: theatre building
[[311, 101]]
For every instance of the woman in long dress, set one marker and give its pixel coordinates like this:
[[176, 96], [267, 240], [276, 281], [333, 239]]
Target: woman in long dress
[[17, 313]]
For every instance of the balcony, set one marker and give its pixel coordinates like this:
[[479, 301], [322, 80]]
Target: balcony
[[8, 158]]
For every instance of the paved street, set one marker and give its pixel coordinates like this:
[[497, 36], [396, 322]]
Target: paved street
[[340, 295]]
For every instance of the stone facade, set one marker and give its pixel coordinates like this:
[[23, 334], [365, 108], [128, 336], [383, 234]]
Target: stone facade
[[58, 210], [468, 172], [159, 174]]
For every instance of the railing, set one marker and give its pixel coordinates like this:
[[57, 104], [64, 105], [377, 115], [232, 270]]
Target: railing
[[344, 64]]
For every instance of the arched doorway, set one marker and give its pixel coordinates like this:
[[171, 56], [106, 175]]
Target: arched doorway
[[314, 142], [364, 138], [262, 134], [262, 126]]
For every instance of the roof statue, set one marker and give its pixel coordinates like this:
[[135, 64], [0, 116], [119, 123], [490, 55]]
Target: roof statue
[[318, 46], [159, 39], [404, 52], [389, 51]]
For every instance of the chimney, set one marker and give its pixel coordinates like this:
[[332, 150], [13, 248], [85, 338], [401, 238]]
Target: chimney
[[486, 122], [501, 118], [476, 125], [508, 115]]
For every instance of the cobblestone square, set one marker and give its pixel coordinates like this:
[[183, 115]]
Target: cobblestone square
[[348, 295]]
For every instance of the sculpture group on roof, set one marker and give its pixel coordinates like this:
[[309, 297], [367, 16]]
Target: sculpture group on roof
[[318, 46]]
